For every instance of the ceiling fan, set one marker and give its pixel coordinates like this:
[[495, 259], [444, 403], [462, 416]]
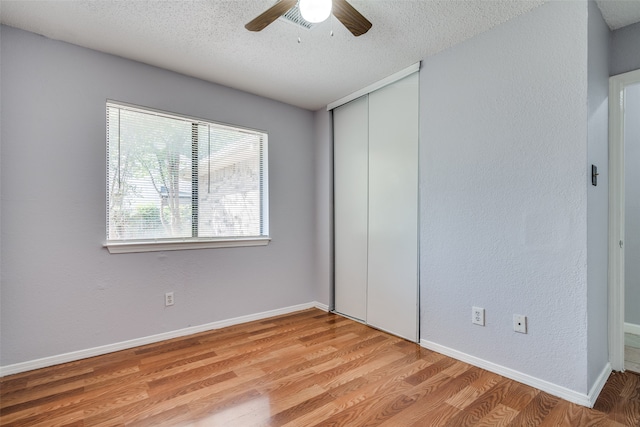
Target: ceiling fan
[[347, 14]]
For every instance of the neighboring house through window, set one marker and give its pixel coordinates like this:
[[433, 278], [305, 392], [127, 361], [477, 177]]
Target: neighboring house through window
[[175, 182]]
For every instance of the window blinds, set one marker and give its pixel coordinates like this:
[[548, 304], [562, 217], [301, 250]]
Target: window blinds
[[174, 177]]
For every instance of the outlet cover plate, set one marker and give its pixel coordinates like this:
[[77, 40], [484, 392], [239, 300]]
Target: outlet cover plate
[[477, 316], [520, 323], [168, 299]]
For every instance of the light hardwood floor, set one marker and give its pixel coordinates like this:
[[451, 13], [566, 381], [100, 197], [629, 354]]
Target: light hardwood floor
[[304, 369]]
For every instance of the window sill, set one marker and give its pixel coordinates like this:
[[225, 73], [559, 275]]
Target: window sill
[[179, 245]]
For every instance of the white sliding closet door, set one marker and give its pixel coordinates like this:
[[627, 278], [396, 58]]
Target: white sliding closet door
[[376, 208], [351, 175], [392, 295]]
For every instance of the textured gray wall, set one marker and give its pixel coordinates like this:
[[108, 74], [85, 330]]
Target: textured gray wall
[[324, 202], [61, 291], [598, 196], [625, 50], [503, 192], [632, 205]]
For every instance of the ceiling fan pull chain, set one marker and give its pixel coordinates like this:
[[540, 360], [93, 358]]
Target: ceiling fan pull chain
[[299, 24], [331, 18]]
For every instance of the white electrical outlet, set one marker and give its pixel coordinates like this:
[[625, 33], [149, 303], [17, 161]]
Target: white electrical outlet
[[520, 323], [168, 299], [477, 316]]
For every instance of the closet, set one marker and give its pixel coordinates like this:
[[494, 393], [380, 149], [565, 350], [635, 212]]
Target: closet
[[376, 207]]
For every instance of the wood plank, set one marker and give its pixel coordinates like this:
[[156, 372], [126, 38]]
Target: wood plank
[[300, 369]]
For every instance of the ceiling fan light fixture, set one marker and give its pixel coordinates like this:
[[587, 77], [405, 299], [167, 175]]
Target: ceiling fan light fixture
[[315, 11]]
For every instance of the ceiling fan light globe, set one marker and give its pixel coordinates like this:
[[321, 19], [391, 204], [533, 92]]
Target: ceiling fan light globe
[[315, 11]]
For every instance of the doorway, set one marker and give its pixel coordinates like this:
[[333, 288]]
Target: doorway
[[624, 221]]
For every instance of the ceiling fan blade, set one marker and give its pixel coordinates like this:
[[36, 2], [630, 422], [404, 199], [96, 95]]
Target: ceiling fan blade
[[270, 15], [350, 18]]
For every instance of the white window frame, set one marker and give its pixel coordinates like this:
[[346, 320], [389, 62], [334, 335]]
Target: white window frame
[[155, 245]]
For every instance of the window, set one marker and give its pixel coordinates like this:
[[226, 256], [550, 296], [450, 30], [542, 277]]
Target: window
[[175, 182]]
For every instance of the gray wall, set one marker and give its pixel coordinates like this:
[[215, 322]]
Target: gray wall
[[503, 190], [598, 196], [625, 50], [61, 291], [324, 201], [632, 205]]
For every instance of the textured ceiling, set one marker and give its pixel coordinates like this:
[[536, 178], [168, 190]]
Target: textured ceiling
[[619, 13], [207, 39]]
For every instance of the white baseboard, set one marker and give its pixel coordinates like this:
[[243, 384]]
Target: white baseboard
[[124, 345], [320, 306], [554, 389], [599, 385], [631, 328]]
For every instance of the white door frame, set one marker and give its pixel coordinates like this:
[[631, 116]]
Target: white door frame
[[617, 85]]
